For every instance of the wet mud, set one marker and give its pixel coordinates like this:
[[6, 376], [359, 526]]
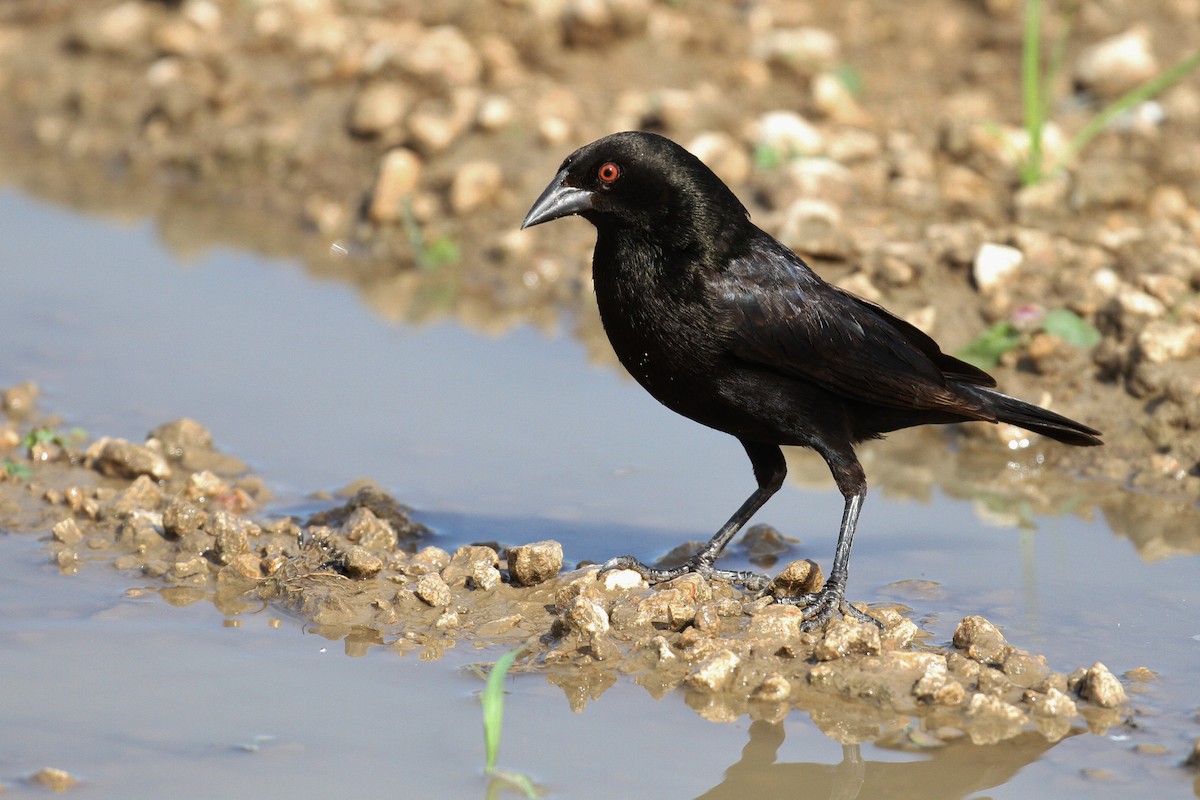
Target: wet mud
[[396, 145], [175, 510]]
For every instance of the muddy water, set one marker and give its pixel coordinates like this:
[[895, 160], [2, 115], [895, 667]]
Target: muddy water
[[510, 438]]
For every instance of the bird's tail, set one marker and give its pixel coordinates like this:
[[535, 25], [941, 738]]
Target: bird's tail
[[1037, 419]]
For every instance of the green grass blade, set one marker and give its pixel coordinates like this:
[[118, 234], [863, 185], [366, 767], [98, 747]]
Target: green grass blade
[[1058, 55], [1031, 91], [493, 705], [1125, 102]]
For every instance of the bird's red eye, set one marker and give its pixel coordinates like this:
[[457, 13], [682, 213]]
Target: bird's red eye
[[608, 172]]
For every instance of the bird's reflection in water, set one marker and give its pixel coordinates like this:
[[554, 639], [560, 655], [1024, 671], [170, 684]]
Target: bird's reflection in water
[[956, 770]]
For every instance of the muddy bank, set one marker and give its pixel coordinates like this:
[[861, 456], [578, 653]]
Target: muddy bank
[[412, 138], [174, 510]]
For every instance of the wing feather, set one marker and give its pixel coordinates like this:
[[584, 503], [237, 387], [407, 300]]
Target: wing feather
[[784, 317]]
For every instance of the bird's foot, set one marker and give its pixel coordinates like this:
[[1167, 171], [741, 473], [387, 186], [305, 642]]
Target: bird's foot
[[697, 564], [820, 606]]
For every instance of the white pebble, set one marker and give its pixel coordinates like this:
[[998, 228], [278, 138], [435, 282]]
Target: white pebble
[[994, 264]]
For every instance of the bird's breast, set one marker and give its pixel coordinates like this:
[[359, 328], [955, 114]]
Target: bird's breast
[[663, 340]]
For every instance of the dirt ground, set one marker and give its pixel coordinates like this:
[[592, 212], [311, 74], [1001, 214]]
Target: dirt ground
[[396, 146], [413, 136]]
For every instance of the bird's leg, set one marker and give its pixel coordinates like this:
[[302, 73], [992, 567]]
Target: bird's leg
[[769, 470], [820, 606], [702, 562]]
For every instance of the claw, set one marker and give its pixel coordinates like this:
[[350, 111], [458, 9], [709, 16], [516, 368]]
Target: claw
[[820, 606], [751, 580]]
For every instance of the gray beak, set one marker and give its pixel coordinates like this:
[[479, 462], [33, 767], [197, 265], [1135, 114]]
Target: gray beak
[[558, 200]]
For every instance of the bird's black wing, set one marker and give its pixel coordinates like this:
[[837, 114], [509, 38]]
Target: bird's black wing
[[782, 316]]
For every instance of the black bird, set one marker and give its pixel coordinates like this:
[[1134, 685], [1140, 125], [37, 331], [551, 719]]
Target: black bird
[[725, 325]]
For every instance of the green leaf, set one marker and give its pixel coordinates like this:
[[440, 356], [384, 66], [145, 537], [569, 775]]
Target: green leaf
[[767, 157], [493, 705], [40, 436], [1071, 328], [441, 251], [850, 78], [985, 350], [14, 469]]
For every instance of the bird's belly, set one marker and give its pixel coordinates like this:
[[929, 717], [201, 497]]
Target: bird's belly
[[687, 368], [692, 379], [712, 388]]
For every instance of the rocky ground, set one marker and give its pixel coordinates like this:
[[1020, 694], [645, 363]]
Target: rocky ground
[[396, 146], [883, 146], [174, 509]]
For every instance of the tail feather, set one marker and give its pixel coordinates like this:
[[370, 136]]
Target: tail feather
[[1039, 420]]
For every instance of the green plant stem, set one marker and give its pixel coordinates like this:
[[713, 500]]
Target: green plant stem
[[1031, 86], [1125, 102], [1058, 55], [493, 705]]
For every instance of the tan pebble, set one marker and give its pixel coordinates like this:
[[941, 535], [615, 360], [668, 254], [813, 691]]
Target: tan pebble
[[845, 637], [465, 561], [1102, 687], [1053, 704], [534, 563], [1117, 64], [433, 590], [788, 135], [246, 565], [397, 180], [433, 557], [803, 49], [835, 101], [378, 108], [690, 588], [1151, 749], [982, 640], [362, 563], [120, 458], [723, 155], [67, 531], [774, 688], [476, 184], [444, 53], [1161, 341], [932, 679], [951, 693], [484, 577], [56, 780], [494, 112], [586, 616], [19, 400], [715, 673], [1140, 675], [797, 578]]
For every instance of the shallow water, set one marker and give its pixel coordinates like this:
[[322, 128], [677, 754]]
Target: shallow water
[[509, 438]]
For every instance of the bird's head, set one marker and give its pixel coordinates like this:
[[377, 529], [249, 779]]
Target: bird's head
[[638, 181]]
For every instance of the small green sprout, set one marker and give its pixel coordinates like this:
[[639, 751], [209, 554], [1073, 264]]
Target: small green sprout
[[493, 722], [985, 350], [1035, 87]]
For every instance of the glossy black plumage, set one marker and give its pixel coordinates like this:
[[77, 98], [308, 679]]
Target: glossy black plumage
[[725, 325]]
